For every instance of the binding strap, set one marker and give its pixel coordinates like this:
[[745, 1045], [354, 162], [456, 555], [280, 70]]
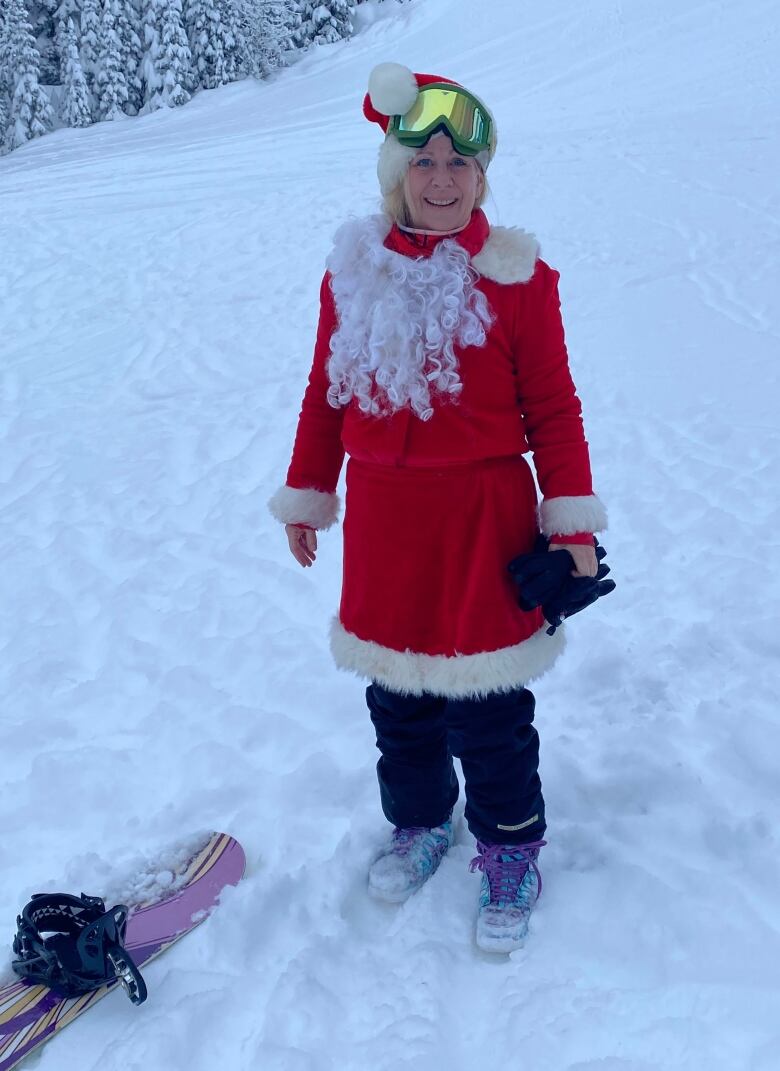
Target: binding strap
[[73, 945]]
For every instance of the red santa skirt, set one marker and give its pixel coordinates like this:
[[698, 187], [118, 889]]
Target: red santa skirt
[[427, 603]]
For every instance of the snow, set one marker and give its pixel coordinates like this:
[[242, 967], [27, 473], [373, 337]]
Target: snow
[[165, 666]]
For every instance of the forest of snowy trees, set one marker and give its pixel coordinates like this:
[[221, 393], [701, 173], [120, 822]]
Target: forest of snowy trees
[[76, 62]]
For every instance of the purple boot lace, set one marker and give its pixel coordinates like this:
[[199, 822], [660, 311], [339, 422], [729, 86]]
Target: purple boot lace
[[506, 865]]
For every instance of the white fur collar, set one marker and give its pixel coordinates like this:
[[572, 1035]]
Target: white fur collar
[[508, 256]]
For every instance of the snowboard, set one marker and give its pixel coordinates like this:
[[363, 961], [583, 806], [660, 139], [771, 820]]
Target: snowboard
[[31, 1014]]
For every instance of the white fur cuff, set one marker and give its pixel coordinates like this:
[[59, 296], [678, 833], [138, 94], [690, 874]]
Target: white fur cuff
[[294, 505], [572, 513]]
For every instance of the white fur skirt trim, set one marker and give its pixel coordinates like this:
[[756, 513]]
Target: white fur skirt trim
[[294, 505], [458, 677]]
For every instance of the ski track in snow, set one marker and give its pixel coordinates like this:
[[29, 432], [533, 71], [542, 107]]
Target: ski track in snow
[[164, 661]]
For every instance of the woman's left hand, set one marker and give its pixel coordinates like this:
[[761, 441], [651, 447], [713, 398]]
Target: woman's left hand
[[585, 560]]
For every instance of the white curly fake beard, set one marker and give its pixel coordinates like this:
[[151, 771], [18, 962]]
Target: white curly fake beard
[[400, 319]]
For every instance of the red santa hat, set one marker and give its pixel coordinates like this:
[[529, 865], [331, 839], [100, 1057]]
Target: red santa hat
[[393, 90]]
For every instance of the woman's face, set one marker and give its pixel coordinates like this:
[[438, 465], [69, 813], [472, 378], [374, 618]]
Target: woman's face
[[441, 186]]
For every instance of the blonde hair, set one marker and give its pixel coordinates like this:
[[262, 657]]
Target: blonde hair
[[397, 207]]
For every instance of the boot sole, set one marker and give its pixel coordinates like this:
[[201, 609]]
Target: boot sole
[[392, 898], [501, 945]]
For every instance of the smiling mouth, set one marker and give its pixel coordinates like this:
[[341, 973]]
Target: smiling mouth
[[440, 204]]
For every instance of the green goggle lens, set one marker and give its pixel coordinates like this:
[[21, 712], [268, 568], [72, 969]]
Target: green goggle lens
[[462, 115]]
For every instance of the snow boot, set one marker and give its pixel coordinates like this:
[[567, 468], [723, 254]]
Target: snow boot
[[405, 864], [511, 884]]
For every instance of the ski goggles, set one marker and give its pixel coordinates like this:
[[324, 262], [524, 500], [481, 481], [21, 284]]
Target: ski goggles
[[440, 104]]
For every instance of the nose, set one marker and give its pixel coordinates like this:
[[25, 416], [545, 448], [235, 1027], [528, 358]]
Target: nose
[[442, 176]]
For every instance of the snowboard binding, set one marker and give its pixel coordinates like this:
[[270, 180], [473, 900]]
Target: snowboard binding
[[84, 947]]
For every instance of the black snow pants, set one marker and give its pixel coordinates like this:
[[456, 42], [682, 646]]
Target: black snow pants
[[498, 748]]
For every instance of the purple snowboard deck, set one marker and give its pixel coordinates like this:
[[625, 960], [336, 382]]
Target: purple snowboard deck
[[30, 1014]]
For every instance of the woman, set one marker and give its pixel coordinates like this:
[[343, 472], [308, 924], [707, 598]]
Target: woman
[[439, 362]]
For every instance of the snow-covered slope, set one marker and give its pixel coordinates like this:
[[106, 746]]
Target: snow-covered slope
[[164, 661]]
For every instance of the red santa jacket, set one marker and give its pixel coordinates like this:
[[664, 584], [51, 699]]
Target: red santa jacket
[[518, 396]]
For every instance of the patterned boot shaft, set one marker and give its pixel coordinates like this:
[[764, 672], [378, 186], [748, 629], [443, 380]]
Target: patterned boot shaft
[[511, 884], [405, 864]]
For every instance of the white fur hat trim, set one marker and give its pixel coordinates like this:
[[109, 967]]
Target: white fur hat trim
[[392, 88], [394, 159]]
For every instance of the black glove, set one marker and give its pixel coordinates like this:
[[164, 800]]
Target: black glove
[[540, 575], [544, 579]]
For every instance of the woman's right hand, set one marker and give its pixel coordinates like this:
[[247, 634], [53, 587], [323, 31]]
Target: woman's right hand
[[303, 543]]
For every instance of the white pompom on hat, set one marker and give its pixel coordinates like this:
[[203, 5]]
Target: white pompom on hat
[[392, 90]]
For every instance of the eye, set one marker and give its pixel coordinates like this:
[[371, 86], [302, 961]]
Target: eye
[[422, 161], [458, 161]]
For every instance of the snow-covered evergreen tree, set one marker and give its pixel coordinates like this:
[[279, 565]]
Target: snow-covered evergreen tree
[[205, 32], [110, 82], [89, 39], [129, 32], [64, 10], [29, 111], [4, 113], [234, 40], [167, 64], [44, 27], [325, 21], [67, 9], [75, 109], [271, 26], [5, 53], [61, 42]]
